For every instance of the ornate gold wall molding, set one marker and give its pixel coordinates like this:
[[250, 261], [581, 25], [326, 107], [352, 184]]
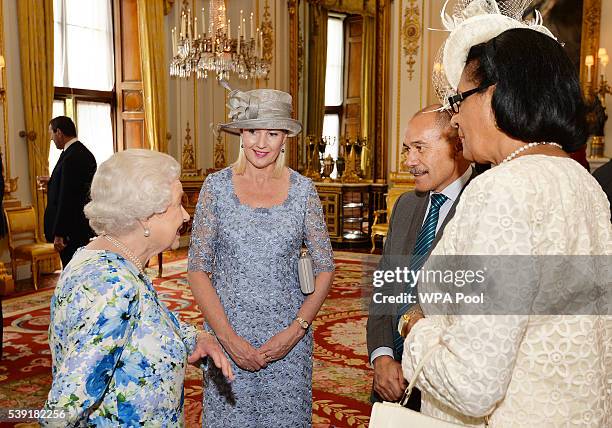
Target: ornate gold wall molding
[[267, 34], [292, 7], [411, 35], [133, 101], [293, 52], [188, 158], [219, 155], [300, 53], [398, 97]]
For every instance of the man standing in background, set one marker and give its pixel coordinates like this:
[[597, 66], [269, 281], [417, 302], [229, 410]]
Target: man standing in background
[[68, 191]]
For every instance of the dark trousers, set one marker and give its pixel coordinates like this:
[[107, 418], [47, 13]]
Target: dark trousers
[[67, 253]]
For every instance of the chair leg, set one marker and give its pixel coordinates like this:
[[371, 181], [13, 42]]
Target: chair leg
[[373, 243], [35, 273], [14, 269]]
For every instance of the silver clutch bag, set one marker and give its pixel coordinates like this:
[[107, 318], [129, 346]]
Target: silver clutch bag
[[305, 273]]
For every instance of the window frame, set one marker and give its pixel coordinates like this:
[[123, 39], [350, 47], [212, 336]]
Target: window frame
[[75, 95]]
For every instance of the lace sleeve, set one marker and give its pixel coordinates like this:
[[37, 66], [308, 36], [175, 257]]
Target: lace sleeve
[[204, 232], [315, 233], [472, 369]]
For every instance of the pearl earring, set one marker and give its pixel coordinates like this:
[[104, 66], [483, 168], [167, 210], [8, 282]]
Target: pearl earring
[[283, 150], [147, 232]]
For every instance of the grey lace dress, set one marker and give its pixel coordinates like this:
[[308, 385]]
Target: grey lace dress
[[252, 255]]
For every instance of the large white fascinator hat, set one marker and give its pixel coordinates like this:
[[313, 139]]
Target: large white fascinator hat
[[471, 23], [259, 109]]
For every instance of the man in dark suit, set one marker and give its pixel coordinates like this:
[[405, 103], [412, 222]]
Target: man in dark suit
[[68, 191], [433, 154]]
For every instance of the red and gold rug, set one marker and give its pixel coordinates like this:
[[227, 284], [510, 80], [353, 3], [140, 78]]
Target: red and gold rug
[[341, 378]]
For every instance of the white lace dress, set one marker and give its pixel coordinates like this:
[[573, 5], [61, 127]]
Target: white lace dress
[[528, 371]]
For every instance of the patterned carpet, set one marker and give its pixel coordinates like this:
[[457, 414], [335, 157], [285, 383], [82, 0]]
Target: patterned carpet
[[341, 378]]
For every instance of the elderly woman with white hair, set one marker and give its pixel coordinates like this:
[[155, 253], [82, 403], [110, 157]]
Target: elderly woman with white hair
[[251, 221], [119, 354]]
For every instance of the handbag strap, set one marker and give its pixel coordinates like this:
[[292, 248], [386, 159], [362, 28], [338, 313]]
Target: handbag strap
[[417, 372]]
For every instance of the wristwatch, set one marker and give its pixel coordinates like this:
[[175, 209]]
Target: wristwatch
[[303, 323], [402, 327]]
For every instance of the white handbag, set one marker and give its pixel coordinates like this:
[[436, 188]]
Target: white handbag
[[394, 415]]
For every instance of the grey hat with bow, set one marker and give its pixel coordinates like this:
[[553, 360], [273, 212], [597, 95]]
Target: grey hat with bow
[[260, 109]]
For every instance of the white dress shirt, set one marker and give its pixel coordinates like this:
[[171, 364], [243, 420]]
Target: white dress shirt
[[70, 142]]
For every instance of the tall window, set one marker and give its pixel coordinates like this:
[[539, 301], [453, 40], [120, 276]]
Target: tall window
[[334, 83], [83, 73]]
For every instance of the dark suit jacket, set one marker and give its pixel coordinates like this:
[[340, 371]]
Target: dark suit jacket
[[67, 195], [603, 175], [404, 227]]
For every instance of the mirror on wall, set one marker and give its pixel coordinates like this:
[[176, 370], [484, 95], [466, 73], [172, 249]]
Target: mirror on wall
[[335, 45]]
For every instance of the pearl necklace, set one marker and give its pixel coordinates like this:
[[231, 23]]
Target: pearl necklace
[[126, 251], [527, 147]]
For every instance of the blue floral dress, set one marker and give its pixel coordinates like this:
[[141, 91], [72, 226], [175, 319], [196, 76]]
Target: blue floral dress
[[252, 254], [119, 354]]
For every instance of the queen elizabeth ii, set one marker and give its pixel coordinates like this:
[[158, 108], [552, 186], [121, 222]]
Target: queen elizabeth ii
[[119, 354]]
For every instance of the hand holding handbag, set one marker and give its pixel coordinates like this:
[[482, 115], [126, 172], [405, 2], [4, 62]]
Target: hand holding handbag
[[305, 272], [394, 415]]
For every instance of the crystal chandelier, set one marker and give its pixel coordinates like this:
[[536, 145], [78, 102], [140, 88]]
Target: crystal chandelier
[[214, 49]]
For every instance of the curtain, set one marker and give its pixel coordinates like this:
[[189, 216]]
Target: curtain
[[95, 128], [317, 60], [368, 79], [154, 71], [35, 19]]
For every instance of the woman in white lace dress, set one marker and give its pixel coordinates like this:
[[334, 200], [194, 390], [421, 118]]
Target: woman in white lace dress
[[520, 110]]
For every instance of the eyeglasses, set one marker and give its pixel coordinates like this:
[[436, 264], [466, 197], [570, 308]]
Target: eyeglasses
[[456, 100]]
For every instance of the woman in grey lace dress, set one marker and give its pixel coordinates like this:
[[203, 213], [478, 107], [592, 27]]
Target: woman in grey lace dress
[[250, 223]]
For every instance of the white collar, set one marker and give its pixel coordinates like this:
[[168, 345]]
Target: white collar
[[70, 142], [453, 190]]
